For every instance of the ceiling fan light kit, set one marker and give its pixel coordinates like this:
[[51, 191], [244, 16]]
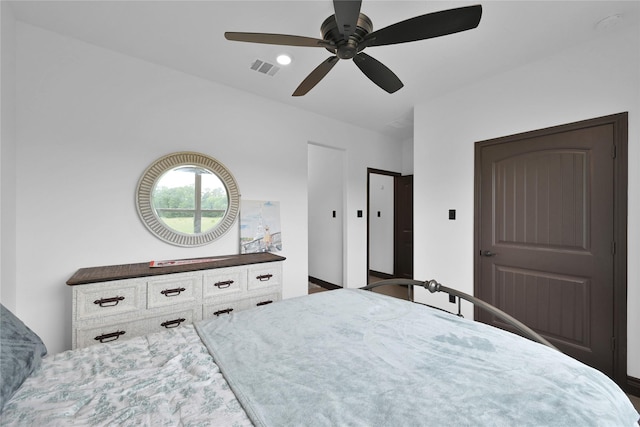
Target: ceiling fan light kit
[[348, 32]]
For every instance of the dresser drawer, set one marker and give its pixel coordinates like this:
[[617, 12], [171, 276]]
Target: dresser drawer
[[263, 276], [124, 330], [222, 307], [110, 298], [224, 281], [261, 300], [173, 290]]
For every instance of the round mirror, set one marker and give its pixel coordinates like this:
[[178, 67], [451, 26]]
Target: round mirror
[[187, 199]]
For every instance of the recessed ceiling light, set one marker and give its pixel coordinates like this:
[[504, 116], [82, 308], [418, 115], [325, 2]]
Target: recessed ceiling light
[[283, 59]]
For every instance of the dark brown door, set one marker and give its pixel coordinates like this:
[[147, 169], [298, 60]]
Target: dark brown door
[[546, 236], [403, 214]]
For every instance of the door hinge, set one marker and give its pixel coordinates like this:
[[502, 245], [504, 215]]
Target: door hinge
[[613, 343], [613, 152], [613, 248]]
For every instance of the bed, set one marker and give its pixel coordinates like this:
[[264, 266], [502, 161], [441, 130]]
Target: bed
[[345, 357]]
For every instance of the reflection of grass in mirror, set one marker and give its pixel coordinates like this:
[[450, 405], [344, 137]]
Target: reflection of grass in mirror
[[185, 225]]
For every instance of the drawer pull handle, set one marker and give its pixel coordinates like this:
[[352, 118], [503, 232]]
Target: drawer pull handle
[[223, 285], [264, 277], [109, 337], [172, 292], [108, 302], [172, 323], [225, 311], [263, 303]]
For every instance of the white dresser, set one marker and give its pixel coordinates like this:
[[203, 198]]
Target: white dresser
[[123, 301]]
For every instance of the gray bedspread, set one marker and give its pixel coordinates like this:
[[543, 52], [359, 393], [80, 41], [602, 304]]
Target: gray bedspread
[[356, 358]]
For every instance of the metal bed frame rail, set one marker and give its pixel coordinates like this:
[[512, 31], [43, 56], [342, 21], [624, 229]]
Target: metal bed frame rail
[[433, 286]]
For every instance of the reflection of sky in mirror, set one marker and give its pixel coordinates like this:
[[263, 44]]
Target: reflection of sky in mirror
[[179, 178]]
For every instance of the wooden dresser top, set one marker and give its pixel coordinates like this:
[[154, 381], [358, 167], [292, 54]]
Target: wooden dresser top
[[130, 271]]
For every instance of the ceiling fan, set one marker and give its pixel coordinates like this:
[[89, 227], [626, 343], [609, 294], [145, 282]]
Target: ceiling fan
[[348, 32]]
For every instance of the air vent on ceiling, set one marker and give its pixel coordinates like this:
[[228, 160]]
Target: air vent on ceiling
[[264, 67]]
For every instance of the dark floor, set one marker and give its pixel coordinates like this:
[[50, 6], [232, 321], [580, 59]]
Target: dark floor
[[393, 290], [636, 402]]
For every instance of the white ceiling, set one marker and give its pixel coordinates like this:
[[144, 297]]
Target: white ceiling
[[188, 36]]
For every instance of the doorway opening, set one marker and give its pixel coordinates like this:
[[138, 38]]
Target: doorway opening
[[326, 182], [389, 225]]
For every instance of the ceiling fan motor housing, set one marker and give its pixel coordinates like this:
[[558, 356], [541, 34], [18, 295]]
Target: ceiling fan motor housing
[[345, 49]]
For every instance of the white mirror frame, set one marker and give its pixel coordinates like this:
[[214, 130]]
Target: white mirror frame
[[164, 164]]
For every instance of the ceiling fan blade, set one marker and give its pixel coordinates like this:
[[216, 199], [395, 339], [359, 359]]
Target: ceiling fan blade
[[378, 72], [426, 26], [279, 39], [347, 14], [315, 76]]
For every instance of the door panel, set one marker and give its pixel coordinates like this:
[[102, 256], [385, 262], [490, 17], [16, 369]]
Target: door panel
[[540, 199], [565, 314], [546, 217], [403, 259]]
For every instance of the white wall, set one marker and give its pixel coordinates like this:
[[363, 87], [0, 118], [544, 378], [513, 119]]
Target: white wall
[[7, 159], [592, 80], [325, 188], [381, 244], [89, 121], [407, 157]]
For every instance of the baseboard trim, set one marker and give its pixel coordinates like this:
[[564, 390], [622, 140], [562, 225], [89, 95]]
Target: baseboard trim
[[633, 386], [323, 284], [380, 274]]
